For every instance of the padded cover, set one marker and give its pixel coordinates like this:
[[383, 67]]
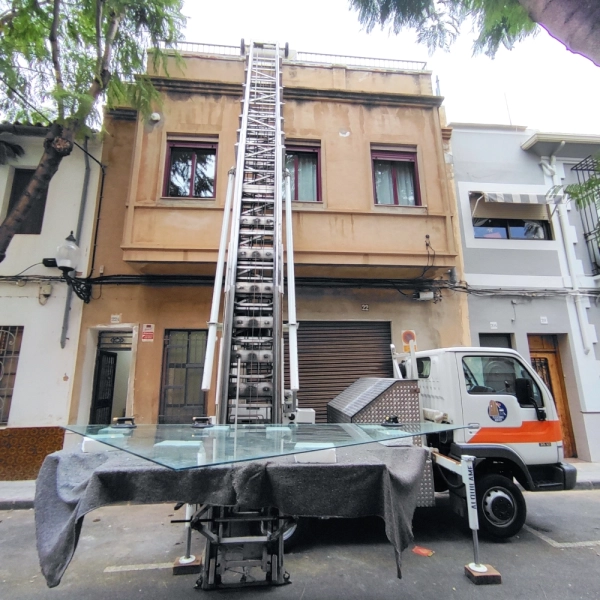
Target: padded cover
[[367, 480]]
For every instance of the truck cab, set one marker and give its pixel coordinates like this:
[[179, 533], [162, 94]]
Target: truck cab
[[510, 425]]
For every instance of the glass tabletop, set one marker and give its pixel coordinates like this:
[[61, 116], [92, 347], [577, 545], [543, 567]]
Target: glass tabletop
[[186, 447]]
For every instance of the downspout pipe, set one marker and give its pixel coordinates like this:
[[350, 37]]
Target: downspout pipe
[[550, 169], [82, 205]]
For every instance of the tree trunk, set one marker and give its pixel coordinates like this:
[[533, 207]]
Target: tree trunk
[[576, 23], [57, 144]]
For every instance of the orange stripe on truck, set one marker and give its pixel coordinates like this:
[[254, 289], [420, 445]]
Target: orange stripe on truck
[[528, 432]]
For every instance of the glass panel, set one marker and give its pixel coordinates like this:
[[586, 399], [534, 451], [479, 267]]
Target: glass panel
[[193, 393], [185, 447], [181, 172], [204, 179], [495, 375], [490, 229], [423, 367], [405, 182], [526, 230], [307, 177], [384, 184]]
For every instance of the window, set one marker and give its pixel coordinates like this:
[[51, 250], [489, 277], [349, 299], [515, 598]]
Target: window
[[10, 348], [424, 367], [496, 375], [303, 164], [514, 229], [191, 168], [395, 178], [495, 340], [183, 366], [35, 217]]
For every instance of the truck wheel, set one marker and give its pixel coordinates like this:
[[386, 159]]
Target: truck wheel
[[501, 507], [294, 534]]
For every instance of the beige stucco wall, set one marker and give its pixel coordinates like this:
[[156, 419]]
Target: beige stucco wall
[[388, 109], [346, 235]]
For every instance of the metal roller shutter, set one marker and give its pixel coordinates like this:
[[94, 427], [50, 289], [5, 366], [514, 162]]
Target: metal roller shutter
[[333, 355]]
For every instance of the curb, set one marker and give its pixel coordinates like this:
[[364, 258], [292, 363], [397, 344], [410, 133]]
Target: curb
[[587, 485], [16, 504]]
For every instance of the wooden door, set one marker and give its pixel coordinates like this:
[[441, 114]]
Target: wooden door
[[104, 388], [545, 359]]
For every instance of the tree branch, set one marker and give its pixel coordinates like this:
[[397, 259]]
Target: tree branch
[[7, 16], [56, 56], [99, 4], [103, 76]]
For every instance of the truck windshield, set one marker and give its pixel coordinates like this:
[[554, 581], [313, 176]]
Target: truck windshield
[[495, 375]]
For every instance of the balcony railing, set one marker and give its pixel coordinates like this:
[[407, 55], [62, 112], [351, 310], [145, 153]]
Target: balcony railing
[[305, 57], [196, 48], [361, 61]]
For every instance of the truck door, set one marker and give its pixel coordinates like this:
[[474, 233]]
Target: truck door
[[493, 413]]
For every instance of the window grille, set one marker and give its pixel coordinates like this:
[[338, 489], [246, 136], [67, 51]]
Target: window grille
[[590, 169], [10, 347], [183, 366]]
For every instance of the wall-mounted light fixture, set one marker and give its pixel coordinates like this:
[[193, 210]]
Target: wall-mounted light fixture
[[67, 259]]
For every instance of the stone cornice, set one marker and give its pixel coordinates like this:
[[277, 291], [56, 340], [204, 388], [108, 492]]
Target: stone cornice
[[192, 86], [189, 86], [122, 114], [364, 98]]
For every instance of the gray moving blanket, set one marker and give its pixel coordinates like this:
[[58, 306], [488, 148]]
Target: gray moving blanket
[[366, 480]]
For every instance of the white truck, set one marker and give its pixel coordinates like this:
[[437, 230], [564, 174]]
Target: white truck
[[511, 427]]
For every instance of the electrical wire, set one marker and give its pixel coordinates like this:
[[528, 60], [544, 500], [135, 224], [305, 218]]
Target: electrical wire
[[27, 269]]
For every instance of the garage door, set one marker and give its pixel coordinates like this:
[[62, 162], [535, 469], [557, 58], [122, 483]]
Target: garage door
[[333, 355]]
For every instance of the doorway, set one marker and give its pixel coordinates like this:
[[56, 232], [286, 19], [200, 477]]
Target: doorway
[[111, 376], [545, 359]]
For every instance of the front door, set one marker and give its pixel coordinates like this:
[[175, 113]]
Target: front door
[[545, 359], [104, 386]]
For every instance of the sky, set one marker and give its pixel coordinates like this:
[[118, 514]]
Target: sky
[[539, 84]]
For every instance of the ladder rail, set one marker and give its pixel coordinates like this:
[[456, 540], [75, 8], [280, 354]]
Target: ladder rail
[[250, 363]]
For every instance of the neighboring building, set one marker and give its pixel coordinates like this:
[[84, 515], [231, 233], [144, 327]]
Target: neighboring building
[[39, 325], [374, 225], [533, 284]]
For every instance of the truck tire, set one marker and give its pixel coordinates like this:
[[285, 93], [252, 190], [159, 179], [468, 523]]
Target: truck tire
[[501, 507], [293, 534]]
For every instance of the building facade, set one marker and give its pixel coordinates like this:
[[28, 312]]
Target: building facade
[[533, 284], [374, 224], [39, 316]]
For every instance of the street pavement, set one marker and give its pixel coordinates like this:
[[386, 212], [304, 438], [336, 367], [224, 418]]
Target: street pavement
[[125, 552]]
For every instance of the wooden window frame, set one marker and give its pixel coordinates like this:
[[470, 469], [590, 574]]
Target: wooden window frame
[[175, 144], [297, 149], [397, 156]]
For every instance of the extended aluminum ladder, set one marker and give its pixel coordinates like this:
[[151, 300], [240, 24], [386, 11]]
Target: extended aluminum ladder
[[250, 380], [250, 373]]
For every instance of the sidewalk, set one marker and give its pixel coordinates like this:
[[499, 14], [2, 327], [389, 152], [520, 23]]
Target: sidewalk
[[19, 494]]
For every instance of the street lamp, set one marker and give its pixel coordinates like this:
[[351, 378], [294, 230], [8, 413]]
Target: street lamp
[[67, 259]]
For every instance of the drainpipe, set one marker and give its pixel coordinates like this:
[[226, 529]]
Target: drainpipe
[[550, 169], [82, 204]]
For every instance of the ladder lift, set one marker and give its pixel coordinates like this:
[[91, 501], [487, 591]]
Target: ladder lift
[[250, 381]]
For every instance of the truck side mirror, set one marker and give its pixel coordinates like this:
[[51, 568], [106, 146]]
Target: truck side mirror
[[526, 397]]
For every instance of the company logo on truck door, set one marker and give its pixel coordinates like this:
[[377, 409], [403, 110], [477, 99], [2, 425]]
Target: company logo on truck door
[[497, 411]]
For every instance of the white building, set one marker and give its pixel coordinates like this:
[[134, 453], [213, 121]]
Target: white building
[[39, 315], [533, 280]]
